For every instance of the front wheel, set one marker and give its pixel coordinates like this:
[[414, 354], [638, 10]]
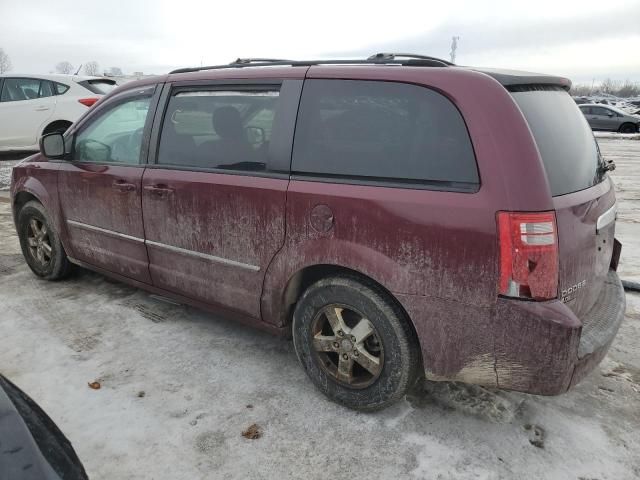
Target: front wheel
[[40, 243], [355, 343]]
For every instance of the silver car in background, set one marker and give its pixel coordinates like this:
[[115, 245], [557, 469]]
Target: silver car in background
[[606, 117]]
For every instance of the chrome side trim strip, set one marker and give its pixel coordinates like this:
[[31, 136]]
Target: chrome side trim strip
[[183, 251], [105, 231], [204, 256], [607, 217]]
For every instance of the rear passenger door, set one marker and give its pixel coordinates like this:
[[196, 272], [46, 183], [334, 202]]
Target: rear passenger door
[[25, 105], [214, 201]]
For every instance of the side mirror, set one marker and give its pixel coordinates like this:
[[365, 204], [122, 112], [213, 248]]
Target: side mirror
[[610, 114], [52, 145]]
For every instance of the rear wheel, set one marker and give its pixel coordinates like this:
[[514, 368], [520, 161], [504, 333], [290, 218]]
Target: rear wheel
[[355, 344], [628, 128], [40, 243]]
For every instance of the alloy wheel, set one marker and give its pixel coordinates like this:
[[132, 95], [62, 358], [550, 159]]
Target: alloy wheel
[[38, 242], [347, 345]]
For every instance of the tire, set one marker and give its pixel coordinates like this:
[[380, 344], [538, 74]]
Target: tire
[[53, 264], [628, 128], [393, 346]]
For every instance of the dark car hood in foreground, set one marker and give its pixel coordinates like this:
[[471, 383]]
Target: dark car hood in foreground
[[31, 445]]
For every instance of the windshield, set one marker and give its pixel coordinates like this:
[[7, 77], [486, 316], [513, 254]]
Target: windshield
[[569, 151]]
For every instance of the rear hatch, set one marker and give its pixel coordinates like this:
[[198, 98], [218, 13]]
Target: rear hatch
[[583, 195], [99, 86]]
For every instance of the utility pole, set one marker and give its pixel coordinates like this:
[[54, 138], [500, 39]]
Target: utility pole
[[454, 47]]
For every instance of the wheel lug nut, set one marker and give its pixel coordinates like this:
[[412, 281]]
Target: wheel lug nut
[[353, 339], [345, 356], [336, 345], [356, 353], [340, 333]]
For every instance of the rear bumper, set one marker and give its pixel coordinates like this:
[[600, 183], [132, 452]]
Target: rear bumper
[[562, 349], [600, 326], [533, 347]]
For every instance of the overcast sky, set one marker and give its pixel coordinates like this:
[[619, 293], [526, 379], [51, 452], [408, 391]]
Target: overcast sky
[[583, 39]]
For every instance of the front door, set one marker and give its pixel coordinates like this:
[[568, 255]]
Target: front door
[[214, 202], [602, 118], [25, 105], [100, 187]]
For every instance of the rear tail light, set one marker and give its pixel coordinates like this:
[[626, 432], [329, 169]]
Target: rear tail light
[[528, 255], [88, 101]]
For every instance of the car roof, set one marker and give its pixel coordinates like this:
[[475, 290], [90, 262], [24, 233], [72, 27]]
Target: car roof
[[60, 77], [288, 68]]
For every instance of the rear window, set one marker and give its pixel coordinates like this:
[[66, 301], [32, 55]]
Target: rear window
[[100, 87], [569, 151], [382, 131]]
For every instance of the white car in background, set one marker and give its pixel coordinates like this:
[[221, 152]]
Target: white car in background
[[34, 105]]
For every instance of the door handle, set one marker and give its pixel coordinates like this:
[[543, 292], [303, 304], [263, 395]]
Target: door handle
[[123, 186], [41, 109], [160, 190]]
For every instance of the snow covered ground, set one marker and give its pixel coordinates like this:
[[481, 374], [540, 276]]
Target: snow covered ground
[[617, 136], [5, 173], [179, 386]]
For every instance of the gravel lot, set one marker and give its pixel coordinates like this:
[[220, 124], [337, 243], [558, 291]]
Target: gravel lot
[[179, 386]]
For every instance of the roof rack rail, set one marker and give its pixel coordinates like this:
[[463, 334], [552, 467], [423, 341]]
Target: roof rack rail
[[383, 57], [247, 61], [377, 59]]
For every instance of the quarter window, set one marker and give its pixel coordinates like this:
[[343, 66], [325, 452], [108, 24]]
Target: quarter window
[[60, 88], [382, 131], [17, 89], [115, 136], [218, 129]]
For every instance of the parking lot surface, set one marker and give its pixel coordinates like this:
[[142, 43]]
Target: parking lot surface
[[179, 386]]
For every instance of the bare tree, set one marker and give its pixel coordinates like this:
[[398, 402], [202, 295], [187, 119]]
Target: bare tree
[[115, 71], [5, 62], [624, 89], [92, 68], [608, 86], [64, 67], [628, 89]]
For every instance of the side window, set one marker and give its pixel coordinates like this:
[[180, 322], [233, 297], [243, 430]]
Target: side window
[[45, 89], [60, 88], [16, 89], [115, 136], [585, 110], [601, 111], [382, 131], [218, 129]]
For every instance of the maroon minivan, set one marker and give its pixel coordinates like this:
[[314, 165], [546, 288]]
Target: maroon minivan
[[398, 216]]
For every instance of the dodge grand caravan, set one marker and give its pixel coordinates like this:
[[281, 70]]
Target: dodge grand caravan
[[398, 216]]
